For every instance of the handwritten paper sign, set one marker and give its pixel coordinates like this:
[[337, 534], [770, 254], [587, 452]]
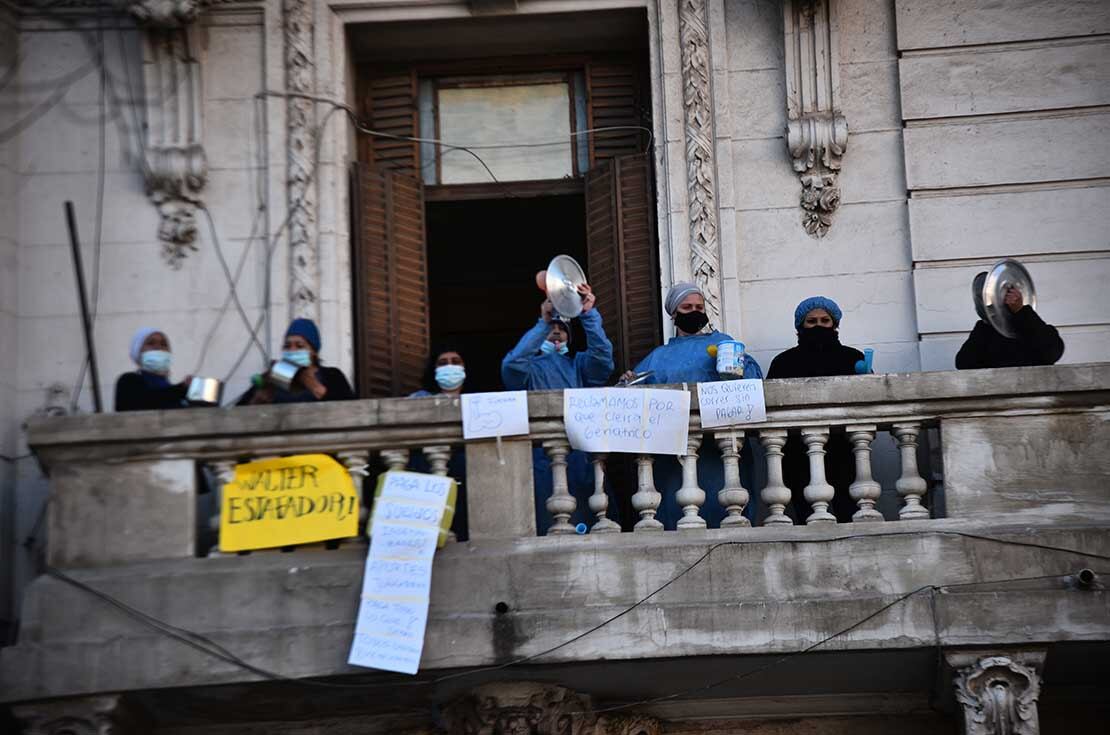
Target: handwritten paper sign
[[287, 501], [729, 402], [409, 511], [487, 415], [638, 421]]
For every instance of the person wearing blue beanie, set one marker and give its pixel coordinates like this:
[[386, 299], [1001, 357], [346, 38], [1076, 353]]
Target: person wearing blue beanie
[[314, 382], [818, 354]]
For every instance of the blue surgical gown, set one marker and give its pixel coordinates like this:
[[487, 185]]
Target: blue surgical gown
[[685, 360], [525, 368]]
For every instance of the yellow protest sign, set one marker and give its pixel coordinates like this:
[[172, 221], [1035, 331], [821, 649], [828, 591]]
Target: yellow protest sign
[[287, 501]]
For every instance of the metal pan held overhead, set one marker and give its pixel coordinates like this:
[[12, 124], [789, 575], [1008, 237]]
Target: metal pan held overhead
[[564, 276], [1006, 274]]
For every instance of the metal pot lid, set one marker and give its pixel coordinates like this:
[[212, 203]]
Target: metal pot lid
[[564, 276], [1006, 274]]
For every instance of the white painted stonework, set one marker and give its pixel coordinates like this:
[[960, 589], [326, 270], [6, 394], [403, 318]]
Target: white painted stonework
[[971, 178]]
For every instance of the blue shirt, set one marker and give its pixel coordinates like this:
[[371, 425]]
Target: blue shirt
[[685, 360], [525, 368]]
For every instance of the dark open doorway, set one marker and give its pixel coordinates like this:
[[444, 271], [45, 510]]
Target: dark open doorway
[[482, 259]]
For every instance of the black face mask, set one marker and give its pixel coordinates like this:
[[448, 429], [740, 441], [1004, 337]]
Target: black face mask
[[691, 322], [818, 338]]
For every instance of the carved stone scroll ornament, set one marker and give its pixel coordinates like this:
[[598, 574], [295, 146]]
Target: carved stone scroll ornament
[[527, 708], [701, 169], [999, 697], [175, 165], [816, 131], [100, 715]]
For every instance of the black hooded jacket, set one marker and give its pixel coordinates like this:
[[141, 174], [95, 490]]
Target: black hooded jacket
[[814, 361], [1037, 343]]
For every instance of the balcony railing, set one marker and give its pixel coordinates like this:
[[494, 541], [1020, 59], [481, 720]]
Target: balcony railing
[[1016, 444]]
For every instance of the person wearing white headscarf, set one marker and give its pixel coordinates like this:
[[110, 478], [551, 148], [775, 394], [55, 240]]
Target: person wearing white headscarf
[[149, 388]]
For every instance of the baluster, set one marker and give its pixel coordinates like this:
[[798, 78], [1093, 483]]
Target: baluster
[[599, 501], [690, 496], [818, 493], [224, 470], [911, 486], [355, 460], [646, 499], [561, 504], [733, 496], [776, 494], [396, 460], [437, 457], [865, 491]]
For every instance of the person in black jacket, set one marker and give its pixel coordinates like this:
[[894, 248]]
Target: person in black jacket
[[1037, 343], [818, 354], [314, 382], [149, 387]]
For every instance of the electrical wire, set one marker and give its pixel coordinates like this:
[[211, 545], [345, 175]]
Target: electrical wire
[[214, 649]]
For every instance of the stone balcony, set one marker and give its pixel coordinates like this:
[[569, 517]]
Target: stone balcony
[[1017, 459]]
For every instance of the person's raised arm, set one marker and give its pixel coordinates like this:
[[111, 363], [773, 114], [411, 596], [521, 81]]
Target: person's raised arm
[[1040, 338], [595, 365], [516, 366], [974, 352]]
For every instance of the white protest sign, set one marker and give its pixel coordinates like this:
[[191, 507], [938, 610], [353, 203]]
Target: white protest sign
[[488, 415], [729, 402], [632, 420], [396, 585]]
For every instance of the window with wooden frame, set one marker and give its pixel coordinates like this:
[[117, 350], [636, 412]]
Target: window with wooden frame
[[542, 126]]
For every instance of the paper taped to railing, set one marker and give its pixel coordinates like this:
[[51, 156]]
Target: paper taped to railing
[[633, 420], [487, 415], [730, 402], [287, 501], [409, 508]]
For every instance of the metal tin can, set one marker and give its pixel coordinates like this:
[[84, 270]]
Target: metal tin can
[[730, 359]]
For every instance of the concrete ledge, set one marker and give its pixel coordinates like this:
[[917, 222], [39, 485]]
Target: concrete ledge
[[401, 422], [294, 613]]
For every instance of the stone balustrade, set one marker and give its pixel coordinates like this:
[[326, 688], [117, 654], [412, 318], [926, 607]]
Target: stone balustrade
[[124, 486]]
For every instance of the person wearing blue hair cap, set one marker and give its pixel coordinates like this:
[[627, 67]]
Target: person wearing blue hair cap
[[818, 354], [314, 382]]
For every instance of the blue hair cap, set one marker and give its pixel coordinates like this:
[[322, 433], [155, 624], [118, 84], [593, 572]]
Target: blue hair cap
[[816, 302], [305, 328]]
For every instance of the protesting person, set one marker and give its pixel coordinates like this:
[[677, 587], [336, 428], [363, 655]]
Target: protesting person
[[149, 388], [1036, 343], [819, 354], [313, 381], [687, 359], [542, 361]]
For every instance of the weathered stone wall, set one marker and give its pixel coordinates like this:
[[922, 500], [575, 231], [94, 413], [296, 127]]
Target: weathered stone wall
[[9, 324], [1004, 105], [864, 260]]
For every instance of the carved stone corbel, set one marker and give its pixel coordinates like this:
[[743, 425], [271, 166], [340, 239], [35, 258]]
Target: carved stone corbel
[[101, 715], [816, 131], [175, 164], [998, 693], [528, 708]]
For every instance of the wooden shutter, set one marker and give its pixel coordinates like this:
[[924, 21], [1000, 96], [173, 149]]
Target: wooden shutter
[[390, 105], [615, 99], [623, 258], [391, 282]]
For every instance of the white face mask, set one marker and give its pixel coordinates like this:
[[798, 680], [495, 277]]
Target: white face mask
[[300, 358], [449, 377], [156, 361]]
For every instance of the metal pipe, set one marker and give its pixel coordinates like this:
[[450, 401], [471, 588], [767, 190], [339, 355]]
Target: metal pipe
[[79, 269]]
